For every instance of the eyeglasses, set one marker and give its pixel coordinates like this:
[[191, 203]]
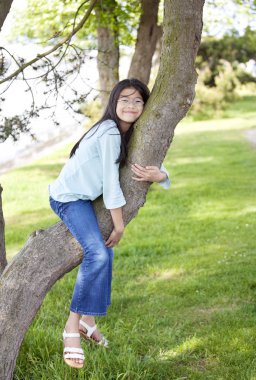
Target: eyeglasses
[[138, 103]]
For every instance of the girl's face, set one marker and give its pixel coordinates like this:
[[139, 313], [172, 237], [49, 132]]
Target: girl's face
[[129, 107]]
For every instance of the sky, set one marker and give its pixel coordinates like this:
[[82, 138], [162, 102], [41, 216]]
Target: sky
[[226, 15]]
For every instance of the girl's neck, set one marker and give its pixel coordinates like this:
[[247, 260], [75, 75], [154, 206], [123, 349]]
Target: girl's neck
[[124, 126]]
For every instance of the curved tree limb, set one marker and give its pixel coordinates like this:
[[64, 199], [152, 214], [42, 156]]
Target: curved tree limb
[[49, 254], [65, 40]]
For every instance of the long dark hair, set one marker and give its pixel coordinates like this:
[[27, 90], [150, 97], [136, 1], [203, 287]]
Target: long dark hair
[[110, 113]]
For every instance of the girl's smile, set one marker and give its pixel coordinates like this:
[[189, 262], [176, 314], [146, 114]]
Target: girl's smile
[[129, 107]]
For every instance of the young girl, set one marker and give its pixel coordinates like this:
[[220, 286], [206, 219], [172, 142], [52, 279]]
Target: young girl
[[91, 171]]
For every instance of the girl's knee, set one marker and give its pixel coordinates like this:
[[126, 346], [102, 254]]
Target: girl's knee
[[97, 255], [102, 257]]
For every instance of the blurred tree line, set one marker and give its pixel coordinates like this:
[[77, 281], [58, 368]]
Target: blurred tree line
[[222, 66]]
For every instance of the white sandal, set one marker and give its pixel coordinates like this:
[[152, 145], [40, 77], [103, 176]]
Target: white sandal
[[88, 334], [70, 353]]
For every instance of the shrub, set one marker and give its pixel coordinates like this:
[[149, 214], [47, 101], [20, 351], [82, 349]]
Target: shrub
[[210, 101]]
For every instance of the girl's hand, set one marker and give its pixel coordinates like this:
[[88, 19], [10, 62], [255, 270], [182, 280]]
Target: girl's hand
[[148, 173], [114, 238]]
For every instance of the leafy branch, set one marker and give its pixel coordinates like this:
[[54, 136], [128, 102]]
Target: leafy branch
[[51, 72], [65, 40]]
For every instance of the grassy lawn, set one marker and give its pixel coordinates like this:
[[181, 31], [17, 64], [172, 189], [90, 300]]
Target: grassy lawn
[[184, 284]]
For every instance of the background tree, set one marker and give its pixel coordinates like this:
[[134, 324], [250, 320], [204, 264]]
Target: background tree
[[232, 47], [148, 34], [108, 48], [223, 72], [42, 261], [110, 38]]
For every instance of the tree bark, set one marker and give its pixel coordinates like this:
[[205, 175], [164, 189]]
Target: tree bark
[[108, 52], [147, 36], [5, 6], [49, 254], [158, 49], [3, 261]]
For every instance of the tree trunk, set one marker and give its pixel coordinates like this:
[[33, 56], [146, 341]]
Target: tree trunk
[[146, 41], [158, 49], [49, 254], [3, 261], [108, 52], [5, 6]]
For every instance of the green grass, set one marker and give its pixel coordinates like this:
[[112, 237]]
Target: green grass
[[184, 284]]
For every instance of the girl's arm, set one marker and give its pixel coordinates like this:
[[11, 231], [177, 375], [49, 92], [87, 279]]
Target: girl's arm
[[117, 233]]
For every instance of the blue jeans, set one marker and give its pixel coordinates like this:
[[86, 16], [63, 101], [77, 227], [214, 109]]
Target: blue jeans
[[92, 292]]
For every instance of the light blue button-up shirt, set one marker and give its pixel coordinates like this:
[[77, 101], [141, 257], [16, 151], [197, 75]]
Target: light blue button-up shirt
[[92, 171]]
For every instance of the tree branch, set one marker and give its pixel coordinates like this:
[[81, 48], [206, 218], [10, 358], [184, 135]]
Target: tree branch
[[65, 40], [3, 261]]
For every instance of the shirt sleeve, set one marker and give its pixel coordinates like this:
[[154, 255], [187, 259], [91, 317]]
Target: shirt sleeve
[[109, 144], [166, 183]]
